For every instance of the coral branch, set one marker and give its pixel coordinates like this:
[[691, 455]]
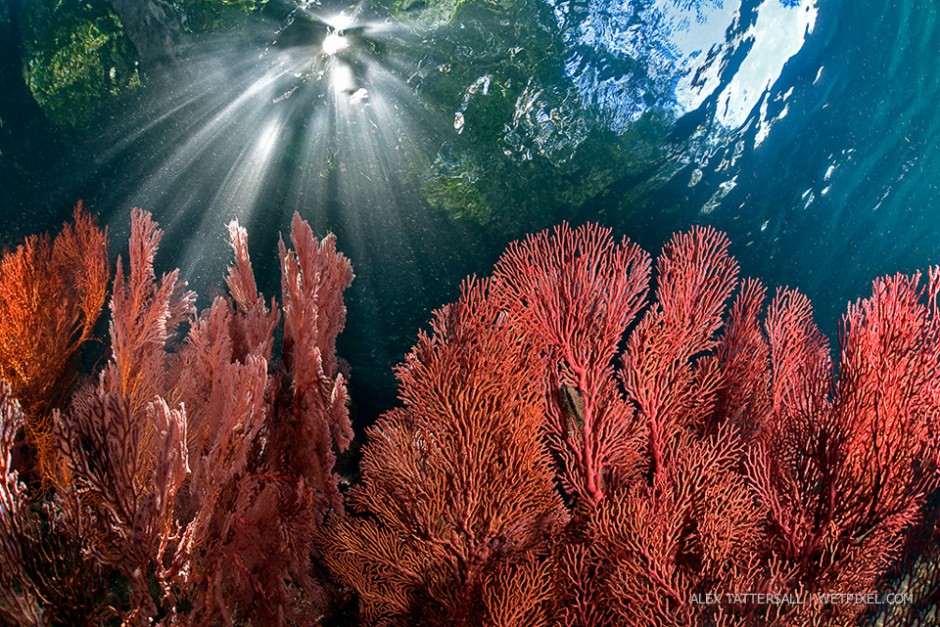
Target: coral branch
[[576, 291], [313, 278], [456, 483], [18, 602]]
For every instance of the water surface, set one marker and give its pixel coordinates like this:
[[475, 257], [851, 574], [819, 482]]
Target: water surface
[[427, 135]]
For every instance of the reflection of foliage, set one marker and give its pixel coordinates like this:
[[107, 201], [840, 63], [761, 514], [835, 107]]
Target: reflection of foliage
[[209, 15], [427, 13], [75, 57], [245, 5], [513, 192], [453, 185], [527, 146]]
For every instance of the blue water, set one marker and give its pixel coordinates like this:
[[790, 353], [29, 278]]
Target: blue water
[[808, 130]]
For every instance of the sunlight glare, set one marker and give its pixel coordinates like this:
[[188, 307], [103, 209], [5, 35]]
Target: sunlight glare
[[333, 43], [342, 79], [340, 22]]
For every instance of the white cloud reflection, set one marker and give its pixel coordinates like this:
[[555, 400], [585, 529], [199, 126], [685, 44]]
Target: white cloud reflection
[[778, 35]]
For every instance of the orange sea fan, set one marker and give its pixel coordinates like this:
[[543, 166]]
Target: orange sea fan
[[51, 293]]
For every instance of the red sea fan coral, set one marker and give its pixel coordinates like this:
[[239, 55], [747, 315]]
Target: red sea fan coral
[[844, 464], [191, 478], [675, 501], [715, 459], [313, 278], [18, 600], [145, 314], [456, 484], [575, 445], [575, 292], [262, 465], [123, 446], [43, 577]]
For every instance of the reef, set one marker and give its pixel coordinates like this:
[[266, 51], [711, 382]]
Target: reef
[[589, 436]]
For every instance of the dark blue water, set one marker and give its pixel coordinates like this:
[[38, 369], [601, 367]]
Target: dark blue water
[[437, 132]]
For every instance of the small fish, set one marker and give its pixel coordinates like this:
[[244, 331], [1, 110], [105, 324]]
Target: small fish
[[572, 406]]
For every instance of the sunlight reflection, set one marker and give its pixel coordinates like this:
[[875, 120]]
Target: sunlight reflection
[[333, 43], [778, 35], [341, 21]]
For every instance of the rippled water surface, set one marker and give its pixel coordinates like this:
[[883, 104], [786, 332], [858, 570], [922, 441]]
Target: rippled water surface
[[429, 134]]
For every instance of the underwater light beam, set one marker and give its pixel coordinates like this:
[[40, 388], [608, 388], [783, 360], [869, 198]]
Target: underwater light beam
[[320, 117]]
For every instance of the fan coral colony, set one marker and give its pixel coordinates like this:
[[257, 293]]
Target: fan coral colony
[[587, 437]]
